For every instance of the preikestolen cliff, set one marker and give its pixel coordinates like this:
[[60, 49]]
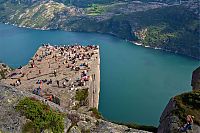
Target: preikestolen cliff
[[99, 66]]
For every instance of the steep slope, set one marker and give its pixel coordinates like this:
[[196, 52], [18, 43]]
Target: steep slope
[[174, 115], [196, 79]]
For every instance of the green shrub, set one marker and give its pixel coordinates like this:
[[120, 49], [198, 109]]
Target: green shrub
[[96, 113], [81, 96], [28, 127], [188, 104], [2, 73], [42, 116]]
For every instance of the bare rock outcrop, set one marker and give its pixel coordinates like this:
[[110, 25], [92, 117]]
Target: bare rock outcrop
[[196, 79], [4, 70], [12, 121], [173, 116], [170, 122]]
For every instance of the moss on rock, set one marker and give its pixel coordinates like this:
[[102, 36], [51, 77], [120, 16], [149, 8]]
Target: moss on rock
[[42, 116], [188, 104]]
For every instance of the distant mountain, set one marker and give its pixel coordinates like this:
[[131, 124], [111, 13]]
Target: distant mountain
[[170, 26], [87, 3]]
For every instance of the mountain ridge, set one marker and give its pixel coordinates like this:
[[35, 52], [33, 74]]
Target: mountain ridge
[[170, 27]]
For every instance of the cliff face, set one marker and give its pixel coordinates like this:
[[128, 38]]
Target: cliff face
[[168, 121], [171, 122], [196, 79], [174, 115]]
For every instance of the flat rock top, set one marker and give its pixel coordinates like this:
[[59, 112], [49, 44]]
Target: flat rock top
[[59, 71]]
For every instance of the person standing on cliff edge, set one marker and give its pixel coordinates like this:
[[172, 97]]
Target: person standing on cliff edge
[[188, 125]]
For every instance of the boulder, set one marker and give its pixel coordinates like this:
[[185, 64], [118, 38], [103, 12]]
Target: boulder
[[196, 79]]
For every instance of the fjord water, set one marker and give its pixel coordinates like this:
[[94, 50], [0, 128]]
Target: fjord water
[[136, 82]]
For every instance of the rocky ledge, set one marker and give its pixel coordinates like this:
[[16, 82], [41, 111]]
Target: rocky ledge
[[66, 75], [175, 114], [12, 121]]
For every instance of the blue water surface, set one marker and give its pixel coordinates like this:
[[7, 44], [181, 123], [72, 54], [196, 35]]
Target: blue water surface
[[136, 82]]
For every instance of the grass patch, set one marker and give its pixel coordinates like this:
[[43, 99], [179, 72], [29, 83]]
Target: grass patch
[[96, 113], [28, 127], [95, 9], [81, 96], [188, 104], [42, 116]]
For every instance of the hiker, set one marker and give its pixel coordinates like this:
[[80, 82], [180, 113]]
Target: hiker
[[22, 74], [49, 64], [32, 65], [18, 82], [54, 72], [20, 67], [57, 83], [64, 84], [56, 100], [50, 98], [188, 125], [37, 91], [38, 82], [49, 82]]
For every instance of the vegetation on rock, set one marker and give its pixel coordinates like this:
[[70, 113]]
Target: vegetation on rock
[[42, 116], [188, 104], [4, 70], [96, 113], [95, 9], [81, 96], [2, 74]]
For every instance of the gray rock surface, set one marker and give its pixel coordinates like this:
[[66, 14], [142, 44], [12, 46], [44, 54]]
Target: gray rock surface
[[11, 121], [170, 123], [4, 70], [196, 79]]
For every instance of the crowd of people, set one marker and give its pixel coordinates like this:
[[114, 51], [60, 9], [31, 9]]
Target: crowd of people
[[70, 58]]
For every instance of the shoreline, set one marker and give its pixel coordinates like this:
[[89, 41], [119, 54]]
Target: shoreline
[[164, 50], [133, 42]]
